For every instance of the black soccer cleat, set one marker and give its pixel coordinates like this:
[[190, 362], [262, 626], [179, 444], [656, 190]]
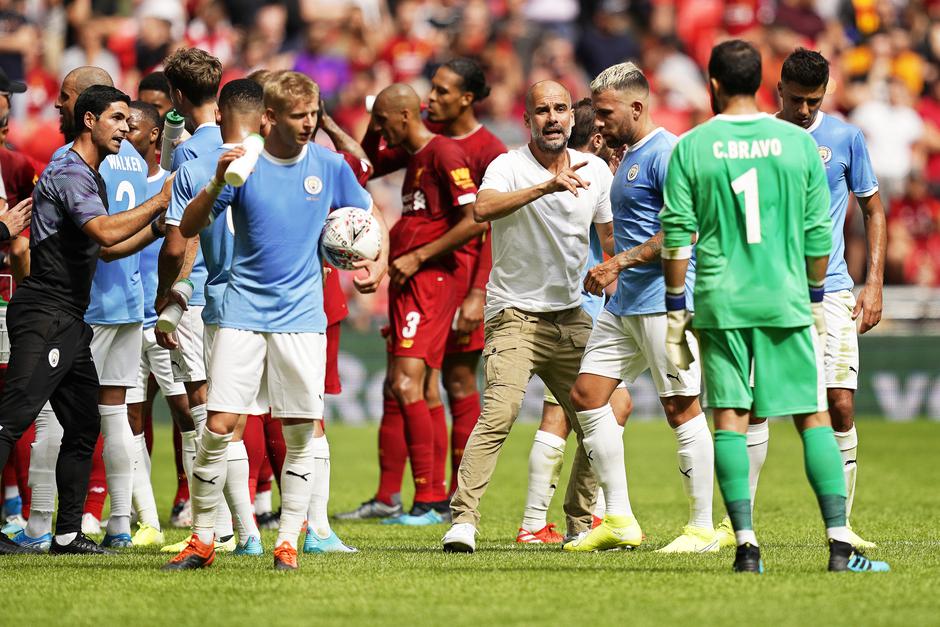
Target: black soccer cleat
[[844, 558], [9, 547], [80, 545], [747, 559]]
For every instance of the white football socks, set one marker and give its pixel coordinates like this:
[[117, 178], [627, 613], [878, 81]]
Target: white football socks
[[697, 466], [603, 444], [119, 465], [237, 494], [317, 519], [545, 461], [263, 502], [296, 481], [189, 444], [199, 417], [600, 503], [848, 447], [209, 472], [42, 462], [143, 498], [758, 437]]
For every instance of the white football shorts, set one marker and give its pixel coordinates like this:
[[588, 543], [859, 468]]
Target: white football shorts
[[154, 359], [116, 351], [188, 360], [841, 349]]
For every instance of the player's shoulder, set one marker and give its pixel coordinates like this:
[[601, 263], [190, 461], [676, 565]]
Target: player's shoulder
[[485, 139], [443, 145], [332, 159], [833, 127], [596, 168]]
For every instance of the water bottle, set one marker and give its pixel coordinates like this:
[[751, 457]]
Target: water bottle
[[238, 170], [170, 317], [173, 128]]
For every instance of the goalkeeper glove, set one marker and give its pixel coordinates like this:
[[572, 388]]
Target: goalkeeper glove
[[816, 295], [678, 321]]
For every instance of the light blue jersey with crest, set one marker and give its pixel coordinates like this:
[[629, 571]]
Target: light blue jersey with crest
[[117, 294], [848, 169], [276, 283], [591, 303], [636, 199], [150, 255]]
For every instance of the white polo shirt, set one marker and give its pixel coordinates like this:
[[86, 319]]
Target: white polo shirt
[[540, 250]]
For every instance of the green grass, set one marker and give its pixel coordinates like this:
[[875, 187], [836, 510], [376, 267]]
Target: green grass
[[401, 576]]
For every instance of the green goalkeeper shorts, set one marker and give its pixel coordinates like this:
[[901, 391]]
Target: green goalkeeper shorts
[[771, 371]]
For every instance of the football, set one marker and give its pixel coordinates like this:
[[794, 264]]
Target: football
[[350, 235]]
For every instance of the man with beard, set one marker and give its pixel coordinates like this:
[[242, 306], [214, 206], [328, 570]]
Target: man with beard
[[542, 200]]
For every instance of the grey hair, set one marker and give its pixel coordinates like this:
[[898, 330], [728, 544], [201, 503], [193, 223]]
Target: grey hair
[[621, 77]]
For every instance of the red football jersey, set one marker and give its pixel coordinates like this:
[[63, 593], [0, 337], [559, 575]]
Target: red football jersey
[[437, 182], [19, 175]]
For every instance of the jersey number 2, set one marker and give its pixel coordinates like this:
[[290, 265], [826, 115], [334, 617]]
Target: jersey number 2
[[747, 184], [125, 189]]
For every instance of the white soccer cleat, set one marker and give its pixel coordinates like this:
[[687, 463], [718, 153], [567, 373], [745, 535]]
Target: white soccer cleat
[[858, 542], [91, 526], [725, 531], [460, 538], [693, 540]]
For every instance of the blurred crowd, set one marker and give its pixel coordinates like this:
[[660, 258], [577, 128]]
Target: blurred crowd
[[885, 57]]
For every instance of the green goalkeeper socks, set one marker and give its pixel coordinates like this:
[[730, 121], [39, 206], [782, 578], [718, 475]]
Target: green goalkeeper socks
[[731, 468], [824, 469]]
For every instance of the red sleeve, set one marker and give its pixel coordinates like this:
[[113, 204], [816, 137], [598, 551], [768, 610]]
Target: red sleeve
[[360, 167], [454, 171], [481, 273], [384, 160]]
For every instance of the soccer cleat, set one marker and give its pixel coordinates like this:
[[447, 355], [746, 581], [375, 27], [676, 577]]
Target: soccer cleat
[[268, 520], [181, 516], [252, 547], [616, 532], [91, 526], [843, 557], [460, 538], [9, 547], [747, 559], [42, 543], [196, 554], [226, 545], [430, 517], [725, 532], [174, 548], [545, 535], [373, 508], [285, 557], [330, 544], [858, 542], [13, 525], [80, 545], [117, 541], [147, 535], [693, 540], [571, 537]]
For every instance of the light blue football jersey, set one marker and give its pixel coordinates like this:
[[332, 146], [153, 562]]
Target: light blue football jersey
[[207, 137], [117, 294], [636, 199], [150, 255], [591, 303], [848, 169], [276, 282]]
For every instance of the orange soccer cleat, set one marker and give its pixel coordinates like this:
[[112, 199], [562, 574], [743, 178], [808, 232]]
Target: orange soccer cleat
[[195, 555], [285, 557], [545, 535]]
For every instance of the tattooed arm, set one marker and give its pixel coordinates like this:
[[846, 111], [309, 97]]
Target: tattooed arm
[[602, 275]]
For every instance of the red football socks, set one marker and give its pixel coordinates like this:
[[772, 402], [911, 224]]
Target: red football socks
[[393, 450], [465, 412]]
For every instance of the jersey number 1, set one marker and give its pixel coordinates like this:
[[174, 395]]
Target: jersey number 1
[[747, 184]]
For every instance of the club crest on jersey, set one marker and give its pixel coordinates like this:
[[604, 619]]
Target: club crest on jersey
[[633, 172], [54, 357], [313, 185], [825, 153]]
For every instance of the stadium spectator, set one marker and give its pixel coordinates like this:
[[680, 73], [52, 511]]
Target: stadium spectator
[[914, 232]]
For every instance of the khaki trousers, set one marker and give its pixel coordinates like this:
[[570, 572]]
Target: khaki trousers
[[518, 345]]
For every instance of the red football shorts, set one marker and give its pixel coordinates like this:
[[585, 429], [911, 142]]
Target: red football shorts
[[332, 384], [463, 342], [420, 314]]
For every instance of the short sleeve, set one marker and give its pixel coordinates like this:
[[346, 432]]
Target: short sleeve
[[817, 227], [222, 201], [862, 180], [498, 176], [80, 194], [678, 215], [454, 171], [182, 194], [348, 191], [360, 167], [604, 179]]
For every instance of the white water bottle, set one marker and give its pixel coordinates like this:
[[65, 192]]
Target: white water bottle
[[173, 128], [238, 170], [170, 316]]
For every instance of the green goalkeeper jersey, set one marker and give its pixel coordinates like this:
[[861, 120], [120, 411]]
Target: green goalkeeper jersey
[[754, 189]]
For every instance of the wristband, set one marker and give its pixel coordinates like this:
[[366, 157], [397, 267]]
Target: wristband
[[679, 252], [214, 187], [675, 301], [816, 293], [156, 230]]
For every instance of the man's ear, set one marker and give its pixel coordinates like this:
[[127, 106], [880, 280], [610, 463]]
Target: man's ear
[[526, 120], [89, 120]]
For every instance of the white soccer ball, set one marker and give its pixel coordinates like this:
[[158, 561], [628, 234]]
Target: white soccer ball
[[350, 235]]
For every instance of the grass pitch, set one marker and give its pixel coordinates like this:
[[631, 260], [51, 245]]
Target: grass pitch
[[402, 577]]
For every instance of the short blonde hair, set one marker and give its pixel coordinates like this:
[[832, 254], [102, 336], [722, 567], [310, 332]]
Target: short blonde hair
[[621, 77], [284, 89]]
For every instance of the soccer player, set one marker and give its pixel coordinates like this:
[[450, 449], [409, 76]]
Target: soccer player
[[548, 448], [155, 89], [754, 189], [802, 88], [456, 87], [629, 336], [437, 219], [271, 326], [50, 341], [542, 200]]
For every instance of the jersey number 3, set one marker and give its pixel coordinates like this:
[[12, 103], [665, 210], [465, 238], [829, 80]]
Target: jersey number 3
[[747, 184]]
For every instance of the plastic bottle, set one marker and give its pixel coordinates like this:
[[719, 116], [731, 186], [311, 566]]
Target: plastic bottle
[[173, 128], [170, 317], [238, 170]]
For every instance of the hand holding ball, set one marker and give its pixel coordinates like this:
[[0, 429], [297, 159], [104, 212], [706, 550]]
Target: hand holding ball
[[349, 235]]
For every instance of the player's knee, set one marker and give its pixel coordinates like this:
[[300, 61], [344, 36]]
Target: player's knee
[[842, 410], [405, 388], [583, 398], [460, 383], [622, 404]]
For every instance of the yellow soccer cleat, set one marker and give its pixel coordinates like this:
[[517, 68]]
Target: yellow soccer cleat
[[858, 542], [616, 532], [227, 546], [147, 536], [175, 548], [694, 540], [725, 533]]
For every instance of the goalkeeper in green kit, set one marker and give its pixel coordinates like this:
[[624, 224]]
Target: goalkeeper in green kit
[[754, 190]]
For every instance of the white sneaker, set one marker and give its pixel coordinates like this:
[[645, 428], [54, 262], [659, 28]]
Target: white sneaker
[[91, 526], [460, 538]]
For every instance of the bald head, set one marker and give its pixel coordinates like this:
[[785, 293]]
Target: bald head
[[74, 83], [88, 75], [399, 97], [542, 90], [396, 114]]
